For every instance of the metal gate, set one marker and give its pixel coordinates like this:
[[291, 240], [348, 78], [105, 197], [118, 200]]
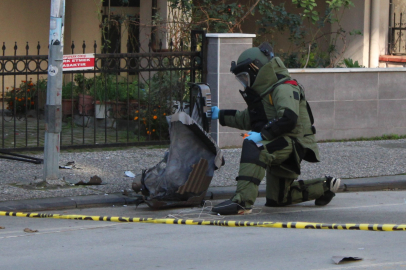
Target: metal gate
[[123, 101]]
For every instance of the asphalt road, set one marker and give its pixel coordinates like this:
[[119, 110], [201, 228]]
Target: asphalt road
[[73, 244]]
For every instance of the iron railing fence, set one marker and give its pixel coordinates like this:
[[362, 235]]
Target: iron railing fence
[[397, 29], [123, 101]]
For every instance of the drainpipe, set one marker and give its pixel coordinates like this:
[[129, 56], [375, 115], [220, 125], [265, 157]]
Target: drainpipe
[[374, 34]]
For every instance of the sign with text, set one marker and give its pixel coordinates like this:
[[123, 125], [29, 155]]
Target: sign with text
[[78, 62]]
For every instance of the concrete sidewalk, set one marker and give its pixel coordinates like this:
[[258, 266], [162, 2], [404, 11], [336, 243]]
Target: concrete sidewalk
[[362, 166]]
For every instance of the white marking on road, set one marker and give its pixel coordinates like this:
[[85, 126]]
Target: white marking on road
[[363, 265]]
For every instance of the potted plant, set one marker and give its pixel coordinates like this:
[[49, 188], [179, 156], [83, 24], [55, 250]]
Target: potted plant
[[23, 98], [69, 95], [136, 97], [136, 92], [99, 91], [85, 100]]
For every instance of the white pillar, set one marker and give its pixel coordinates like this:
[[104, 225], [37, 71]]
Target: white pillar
[[222, 49], [163, 11], [367, 32], [374, 48], [145, 24]]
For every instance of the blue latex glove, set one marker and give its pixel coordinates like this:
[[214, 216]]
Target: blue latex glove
[[254, 136], [215, 113]]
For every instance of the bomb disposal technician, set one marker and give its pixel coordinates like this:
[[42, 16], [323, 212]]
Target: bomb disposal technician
[[281, 136]]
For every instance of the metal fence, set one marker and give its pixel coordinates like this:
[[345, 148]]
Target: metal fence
[[397, 28], [123, 101]]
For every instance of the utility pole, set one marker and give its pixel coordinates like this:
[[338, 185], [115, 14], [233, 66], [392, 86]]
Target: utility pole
[[53, 108]]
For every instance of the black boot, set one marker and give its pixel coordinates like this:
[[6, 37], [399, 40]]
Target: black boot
[[231, 208], [332, 185]]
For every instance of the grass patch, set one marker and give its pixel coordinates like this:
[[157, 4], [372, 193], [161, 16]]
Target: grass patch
[[156, 146], [378, 138]]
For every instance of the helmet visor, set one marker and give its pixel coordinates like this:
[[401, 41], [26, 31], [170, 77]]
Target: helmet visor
[[243, 78]]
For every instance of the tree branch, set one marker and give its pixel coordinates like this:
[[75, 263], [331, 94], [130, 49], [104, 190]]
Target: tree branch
[[243, 17]]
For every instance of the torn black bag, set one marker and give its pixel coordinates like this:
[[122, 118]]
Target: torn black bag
[[185, 173]]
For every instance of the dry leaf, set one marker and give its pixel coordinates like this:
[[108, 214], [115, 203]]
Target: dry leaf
[[2, 228], [29, 230]]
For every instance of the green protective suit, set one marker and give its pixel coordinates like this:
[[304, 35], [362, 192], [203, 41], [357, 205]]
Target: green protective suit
[[287, 141]]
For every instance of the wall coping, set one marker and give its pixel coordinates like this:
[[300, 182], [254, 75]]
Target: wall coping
[[344, 70], [230, 35]]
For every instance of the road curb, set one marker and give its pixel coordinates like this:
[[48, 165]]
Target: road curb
[[67, 203], [382, 183]]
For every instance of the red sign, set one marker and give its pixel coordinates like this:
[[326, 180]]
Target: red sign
[[78, 62]]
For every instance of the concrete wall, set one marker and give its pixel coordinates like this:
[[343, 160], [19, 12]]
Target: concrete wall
[[28, 20], [23, 21], [82, 24], [346, 103], [353, 103]]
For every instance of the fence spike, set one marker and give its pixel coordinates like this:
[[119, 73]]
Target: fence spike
[[72, 46], [181, 45], [84, 46], [160, 44], [95, 46], [150, 45], [171, 45], [4, 48], [38, 48], [15, 48], [27, 47]]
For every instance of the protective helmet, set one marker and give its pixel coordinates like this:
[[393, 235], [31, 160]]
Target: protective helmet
[[250, 62]]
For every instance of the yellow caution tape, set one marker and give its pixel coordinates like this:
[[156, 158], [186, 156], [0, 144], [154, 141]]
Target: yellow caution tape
[[224, 223]]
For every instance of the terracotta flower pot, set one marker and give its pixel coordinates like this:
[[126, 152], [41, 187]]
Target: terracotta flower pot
[[85, 104], [67, 105], [119, 109]]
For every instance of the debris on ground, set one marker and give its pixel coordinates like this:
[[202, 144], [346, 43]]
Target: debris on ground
[[338, 259], [69, 165], [2, 228], [184, 174], [94, 180], [28, 230], [129, 174]]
